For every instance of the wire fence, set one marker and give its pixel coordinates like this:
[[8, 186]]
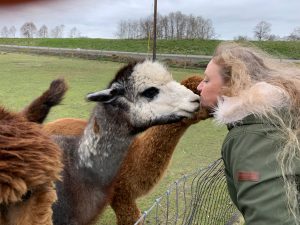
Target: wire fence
[[199, 198]]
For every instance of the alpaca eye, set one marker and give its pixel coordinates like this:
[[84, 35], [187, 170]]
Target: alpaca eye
[[26, 196], [150, 92]]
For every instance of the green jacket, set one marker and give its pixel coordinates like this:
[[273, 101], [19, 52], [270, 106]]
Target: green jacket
[[253, 175]]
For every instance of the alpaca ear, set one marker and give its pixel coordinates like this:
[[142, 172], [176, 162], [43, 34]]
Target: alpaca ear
[[105, 96]]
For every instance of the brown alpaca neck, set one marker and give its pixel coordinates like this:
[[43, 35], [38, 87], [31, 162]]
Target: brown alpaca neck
[[154, 149], [162, 139]]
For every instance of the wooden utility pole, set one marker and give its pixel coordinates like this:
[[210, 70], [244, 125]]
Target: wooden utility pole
[[154, 30]]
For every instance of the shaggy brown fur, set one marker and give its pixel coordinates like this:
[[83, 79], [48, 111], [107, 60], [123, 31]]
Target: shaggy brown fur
[[66, 126], [29, 164], [38, 109], [147, 159]]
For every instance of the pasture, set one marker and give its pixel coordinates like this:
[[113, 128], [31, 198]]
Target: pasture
[[24, 77]]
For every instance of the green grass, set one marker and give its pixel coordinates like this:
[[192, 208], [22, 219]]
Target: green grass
[[24, 77], [284, 49]]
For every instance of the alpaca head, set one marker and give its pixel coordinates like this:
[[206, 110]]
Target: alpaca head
[[145, 94], [30, 163], [191, 83]]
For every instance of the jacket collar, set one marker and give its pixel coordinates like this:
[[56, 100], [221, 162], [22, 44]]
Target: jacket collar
[[250, 119], [261, 99]]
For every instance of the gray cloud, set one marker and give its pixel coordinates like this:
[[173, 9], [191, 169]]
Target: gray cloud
[[99, 18]]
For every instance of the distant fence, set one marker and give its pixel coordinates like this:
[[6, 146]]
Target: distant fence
[[171, 59], [199, 198], [95, 54]]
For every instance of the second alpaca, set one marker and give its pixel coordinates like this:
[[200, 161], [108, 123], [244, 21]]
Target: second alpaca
[[148, 157]]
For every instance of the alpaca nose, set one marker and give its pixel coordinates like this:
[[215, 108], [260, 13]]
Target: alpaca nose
[[197, 101]]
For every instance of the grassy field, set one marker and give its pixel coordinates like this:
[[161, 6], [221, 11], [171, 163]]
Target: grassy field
[[24, 77], [284, 49]]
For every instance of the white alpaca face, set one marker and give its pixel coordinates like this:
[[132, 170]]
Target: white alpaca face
[[150, 96], [157, 97]]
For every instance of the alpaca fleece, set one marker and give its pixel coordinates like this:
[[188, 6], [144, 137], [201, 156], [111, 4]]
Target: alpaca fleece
[[39, 108], [30, 163]]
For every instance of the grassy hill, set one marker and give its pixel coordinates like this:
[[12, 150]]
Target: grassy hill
[[283, 49]]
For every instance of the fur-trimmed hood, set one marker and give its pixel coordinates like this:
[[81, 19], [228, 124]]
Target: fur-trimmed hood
[[260, 99]]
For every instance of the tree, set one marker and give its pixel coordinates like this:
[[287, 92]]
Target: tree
[[12, 31], [174, 25], [241, 38], [4, 32], [58, 31], [273, 37], [295, 35], [28, 30], [43, 32], [74, 33], [262, 30], [146, 27]]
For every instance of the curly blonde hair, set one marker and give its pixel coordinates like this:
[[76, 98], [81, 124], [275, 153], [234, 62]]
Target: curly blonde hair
[[242, 67]]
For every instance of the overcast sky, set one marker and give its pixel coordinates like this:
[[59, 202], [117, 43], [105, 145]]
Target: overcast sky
[[99, 18]]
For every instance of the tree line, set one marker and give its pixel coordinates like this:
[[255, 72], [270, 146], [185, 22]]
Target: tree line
[[30, 30], [175, 25]]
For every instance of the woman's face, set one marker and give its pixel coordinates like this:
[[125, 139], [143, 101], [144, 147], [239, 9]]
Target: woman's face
[[210, 86]]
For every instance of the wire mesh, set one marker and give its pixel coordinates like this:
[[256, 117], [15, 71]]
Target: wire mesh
[[198, 198]]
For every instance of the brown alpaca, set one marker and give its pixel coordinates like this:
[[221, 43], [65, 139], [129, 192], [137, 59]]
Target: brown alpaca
[[147, 159], [30, 163]]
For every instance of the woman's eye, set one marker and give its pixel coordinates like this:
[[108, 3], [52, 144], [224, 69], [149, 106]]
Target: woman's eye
[[150, 93]]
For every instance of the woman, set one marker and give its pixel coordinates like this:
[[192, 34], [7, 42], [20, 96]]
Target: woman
[[259, 101]]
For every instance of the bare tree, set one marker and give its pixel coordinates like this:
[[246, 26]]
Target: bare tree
[[62, 30], [175, 25], [58, 31], [43, 32], [4, 32], [192, 26], [74, 32], [179, 25], [209, 30], [121, 29], [28, 30], [135, 31], [146, 27], [295, 35], [172, 25], [164, 22], [12, 31], [262, 30]]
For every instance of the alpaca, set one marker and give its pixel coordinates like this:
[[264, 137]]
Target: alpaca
[[141, 95], [30, 163], [38, 109], [147, 159]]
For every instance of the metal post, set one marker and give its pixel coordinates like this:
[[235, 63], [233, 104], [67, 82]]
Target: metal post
[[154, 30]]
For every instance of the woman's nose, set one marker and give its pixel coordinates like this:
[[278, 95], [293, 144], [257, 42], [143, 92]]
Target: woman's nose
[[199, 87]]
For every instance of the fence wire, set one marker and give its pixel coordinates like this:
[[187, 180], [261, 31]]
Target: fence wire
[[199, 198]]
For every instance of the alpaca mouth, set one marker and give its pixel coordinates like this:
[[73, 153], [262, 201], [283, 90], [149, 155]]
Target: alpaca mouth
[[176, 118]]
